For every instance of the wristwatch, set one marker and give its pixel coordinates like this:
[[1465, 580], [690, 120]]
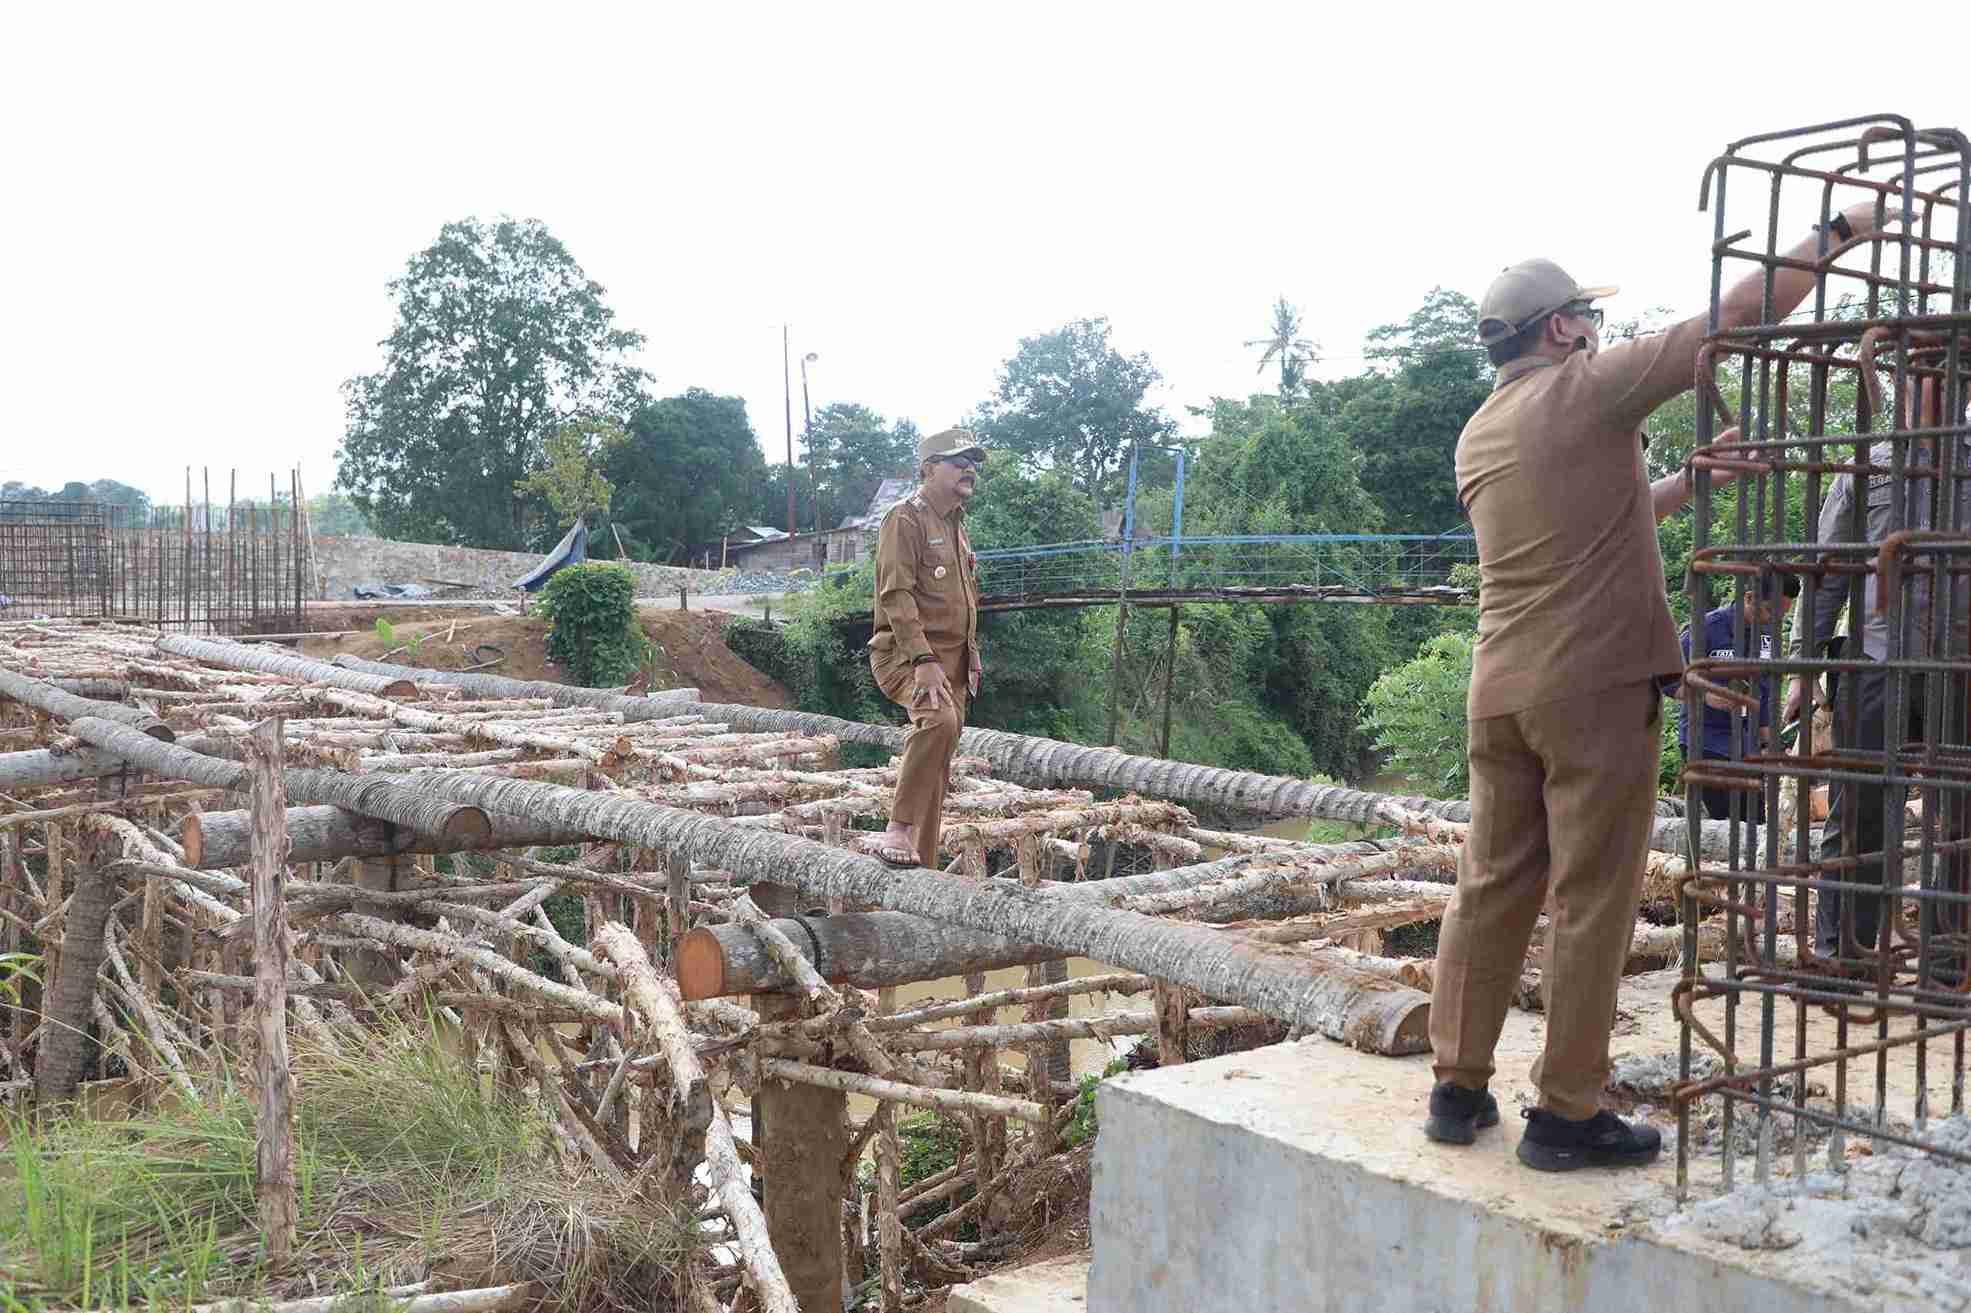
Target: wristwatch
[[926, 659], [1842, 228]]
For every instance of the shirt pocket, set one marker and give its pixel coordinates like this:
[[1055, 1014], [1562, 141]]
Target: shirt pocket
[[941, 570]]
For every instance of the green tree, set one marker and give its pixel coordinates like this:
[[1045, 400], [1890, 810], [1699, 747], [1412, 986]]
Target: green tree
[[1405, 415], [108, 492], [1417, 714], [1070, 401], [1039, 663], [570, 479], [1285, 345], [688, 471], [1446, 324], [334, 515], [500, 339], [851, 450], [1259, 672]]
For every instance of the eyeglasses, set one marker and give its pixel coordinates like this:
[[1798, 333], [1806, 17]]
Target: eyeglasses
[[1582, 310], [962, 462], [1578, 309]]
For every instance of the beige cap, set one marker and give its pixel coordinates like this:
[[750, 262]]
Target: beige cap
[[951, 442], [1525, 291]]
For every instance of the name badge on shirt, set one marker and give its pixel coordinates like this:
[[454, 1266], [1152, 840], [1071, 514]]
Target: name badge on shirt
[[935, 542]]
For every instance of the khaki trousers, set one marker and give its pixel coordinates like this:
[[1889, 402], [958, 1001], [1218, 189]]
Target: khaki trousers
[[1562, 798], [924, 774]]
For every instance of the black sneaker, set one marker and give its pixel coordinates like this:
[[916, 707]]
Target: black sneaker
[[1553, 1143], [1458, 1114]]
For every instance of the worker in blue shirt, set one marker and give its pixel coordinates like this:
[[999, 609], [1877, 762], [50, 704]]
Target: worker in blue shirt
[[1762, 607]]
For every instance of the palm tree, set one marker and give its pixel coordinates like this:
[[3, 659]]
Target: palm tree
[[1285, 344]]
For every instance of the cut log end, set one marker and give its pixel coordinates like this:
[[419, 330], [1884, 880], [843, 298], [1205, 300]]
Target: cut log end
[[1404, 1030], [162, 732], [400, 688], [701, 966], [191, 837], [469, 827]]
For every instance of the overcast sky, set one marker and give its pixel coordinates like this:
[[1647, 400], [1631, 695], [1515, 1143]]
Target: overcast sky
[[204, 203]]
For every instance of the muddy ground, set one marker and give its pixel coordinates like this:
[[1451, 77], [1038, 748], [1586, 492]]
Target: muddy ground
[[690, 651]]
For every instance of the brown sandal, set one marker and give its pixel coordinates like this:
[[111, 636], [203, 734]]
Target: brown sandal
[[895, 857]]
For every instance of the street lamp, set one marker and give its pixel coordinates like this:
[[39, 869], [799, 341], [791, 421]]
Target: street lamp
[[807, 439]]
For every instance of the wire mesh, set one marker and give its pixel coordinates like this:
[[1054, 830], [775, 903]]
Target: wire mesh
[[1854, 1023]]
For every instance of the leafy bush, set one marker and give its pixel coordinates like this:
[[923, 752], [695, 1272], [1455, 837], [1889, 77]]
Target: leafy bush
[[593, 633], [1417, 714]]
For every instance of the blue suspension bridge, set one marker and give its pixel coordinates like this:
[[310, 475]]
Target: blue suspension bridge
[[1386, 568]]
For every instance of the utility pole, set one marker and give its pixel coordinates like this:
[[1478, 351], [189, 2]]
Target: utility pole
[[807, 439], [787, 391]]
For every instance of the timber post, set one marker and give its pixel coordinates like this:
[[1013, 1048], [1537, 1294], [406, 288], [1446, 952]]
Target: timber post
[[373, 968], [65, 1042], [800, 1132]]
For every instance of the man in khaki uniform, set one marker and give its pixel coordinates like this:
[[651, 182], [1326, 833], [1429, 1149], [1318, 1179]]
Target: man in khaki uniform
[[925, 653], [1574, 641]]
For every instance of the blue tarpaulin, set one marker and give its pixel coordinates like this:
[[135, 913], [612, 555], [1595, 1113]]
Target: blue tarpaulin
[[573, 549]]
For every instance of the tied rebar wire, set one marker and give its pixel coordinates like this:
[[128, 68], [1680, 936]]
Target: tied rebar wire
[[1888, 325], [239, 568]]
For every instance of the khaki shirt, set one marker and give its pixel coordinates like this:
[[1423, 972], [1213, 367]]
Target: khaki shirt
[[1550, 470], [927, 592], [1830, 592]]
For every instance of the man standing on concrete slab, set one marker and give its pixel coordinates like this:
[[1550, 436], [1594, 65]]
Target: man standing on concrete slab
[[1575, 641], [925, 653]]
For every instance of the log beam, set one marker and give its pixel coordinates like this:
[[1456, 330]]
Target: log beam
[[866, 949], [654, 706], [381, 797], [219, 840], [1342, 1003]]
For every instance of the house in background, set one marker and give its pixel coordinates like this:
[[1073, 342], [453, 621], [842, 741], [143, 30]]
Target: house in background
[[758, 547], [855, 537]]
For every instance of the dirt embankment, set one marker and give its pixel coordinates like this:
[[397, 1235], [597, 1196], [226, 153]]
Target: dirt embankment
[[690, 652]]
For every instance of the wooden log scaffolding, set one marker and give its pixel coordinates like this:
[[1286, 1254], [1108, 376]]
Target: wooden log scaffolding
[[192, 824]]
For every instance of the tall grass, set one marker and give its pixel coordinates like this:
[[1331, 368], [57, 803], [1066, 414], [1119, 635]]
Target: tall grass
[[391, 1134]]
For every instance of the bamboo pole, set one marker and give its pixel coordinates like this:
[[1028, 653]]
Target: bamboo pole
[[273, 1078]]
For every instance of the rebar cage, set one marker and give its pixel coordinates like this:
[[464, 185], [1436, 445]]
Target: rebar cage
[[1858, 1014], [241, 568]]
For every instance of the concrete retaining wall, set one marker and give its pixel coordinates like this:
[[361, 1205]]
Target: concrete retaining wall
[[342, 563]]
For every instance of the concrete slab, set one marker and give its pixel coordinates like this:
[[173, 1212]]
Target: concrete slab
[[1297, 1178], [1059, 1285]]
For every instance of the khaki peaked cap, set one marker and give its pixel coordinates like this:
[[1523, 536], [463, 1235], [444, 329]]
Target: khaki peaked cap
[[1525, 291], [951, 442]]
